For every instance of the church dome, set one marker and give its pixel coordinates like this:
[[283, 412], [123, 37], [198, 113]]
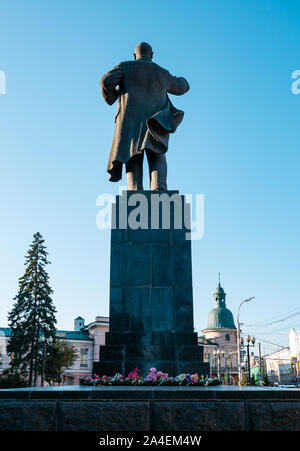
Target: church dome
[[220, 317], [219, 290]]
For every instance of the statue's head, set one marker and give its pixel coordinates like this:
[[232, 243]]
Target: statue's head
[[143, 50]]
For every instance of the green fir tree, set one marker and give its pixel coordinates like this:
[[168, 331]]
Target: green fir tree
[[33, 313]]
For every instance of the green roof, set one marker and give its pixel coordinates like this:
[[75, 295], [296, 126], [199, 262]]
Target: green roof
[[64, 334], [5, 332], [220, 318], [74, 334]]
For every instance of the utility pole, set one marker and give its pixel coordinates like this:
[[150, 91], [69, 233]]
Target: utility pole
[[248, 361], [259, 354]]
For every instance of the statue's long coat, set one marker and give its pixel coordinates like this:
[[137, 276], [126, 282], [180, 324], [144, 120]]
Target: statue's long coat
[[145, 114]]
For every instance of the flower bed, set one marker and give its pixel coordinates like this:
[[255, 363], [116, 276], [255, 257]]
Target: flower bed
[[154, 378]]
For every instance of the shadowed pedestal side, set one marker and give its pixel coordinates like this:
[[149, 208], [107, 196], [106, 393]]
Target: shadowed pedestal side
[[151, 293]]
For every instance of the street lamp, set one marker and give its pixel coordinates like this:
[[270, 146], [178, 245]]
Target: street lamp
[[248, 339], [44, 342], [225, 356], [218, 353], [239, 338]]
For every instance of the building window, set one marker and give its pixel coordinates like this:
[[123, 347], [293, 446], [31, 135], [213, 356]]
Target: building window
[[206, 357], [69, 380], [227, 337], [84, 357]]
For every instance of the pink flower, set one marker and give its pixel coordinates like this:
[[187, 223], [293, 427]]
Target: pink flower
[[152, 370], [151, 377], [134, 375], [105, 378], [162, 375], [194, 378]]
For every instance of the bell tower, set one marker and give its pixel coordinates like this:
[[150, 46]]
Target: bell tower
[[220, 295]]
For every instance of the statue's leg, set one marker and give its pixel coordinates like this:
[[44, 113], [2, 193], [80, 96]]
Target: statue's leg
[[134, 172], [157, 170]]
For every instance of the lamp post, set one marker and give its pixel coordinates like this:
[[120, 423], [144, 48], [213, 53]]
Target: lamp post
[[248, 339], [229, 363], [44, 342], [218, 354], [226, 375], [239, 338]]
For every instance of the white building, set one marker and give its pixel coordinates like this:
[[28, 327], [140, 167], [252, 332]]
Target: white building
[[283, 366], [86, 339]]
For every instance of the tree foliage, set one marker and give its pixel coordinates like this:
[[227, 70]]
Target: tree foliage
[[9, 380], [33, 313], [61, 355]]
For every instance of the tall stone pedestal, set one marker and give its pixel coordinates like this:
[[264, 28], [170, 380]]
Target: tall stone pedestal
[[151, 293]]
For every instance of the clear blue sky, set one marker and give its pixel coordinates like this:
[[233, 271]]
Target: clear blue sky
[[238, 145]]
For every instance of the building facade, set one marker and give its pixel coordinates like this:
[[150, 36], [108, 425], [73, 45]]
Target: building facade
[[86, 340], [220, 340], [283, 366]]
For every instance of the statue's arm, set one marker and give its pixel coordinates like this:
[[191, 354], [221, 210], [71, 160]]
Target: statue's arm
[[177, 85], [109, 83]]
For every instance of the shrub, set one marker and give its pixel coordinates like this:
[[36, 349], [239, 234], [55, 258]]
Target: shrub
[[12, 380]]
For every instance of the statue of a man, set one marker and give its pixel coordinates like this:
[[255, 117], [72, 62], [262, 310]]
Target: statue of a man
[[145, 117]]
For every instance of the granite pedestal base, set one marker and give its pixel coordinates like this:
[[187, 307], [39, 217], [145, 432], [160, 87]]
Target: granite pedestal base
[[151, 295], [173, 358], [221, 408]]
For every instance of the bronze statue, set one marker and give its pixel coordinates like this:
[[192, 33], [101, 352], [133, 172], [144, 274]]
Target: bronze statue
[[145, 117]]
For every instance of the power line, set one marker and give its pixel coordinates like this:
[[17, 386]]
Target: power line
[[282, 328], [270, 343], [274, 322]]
